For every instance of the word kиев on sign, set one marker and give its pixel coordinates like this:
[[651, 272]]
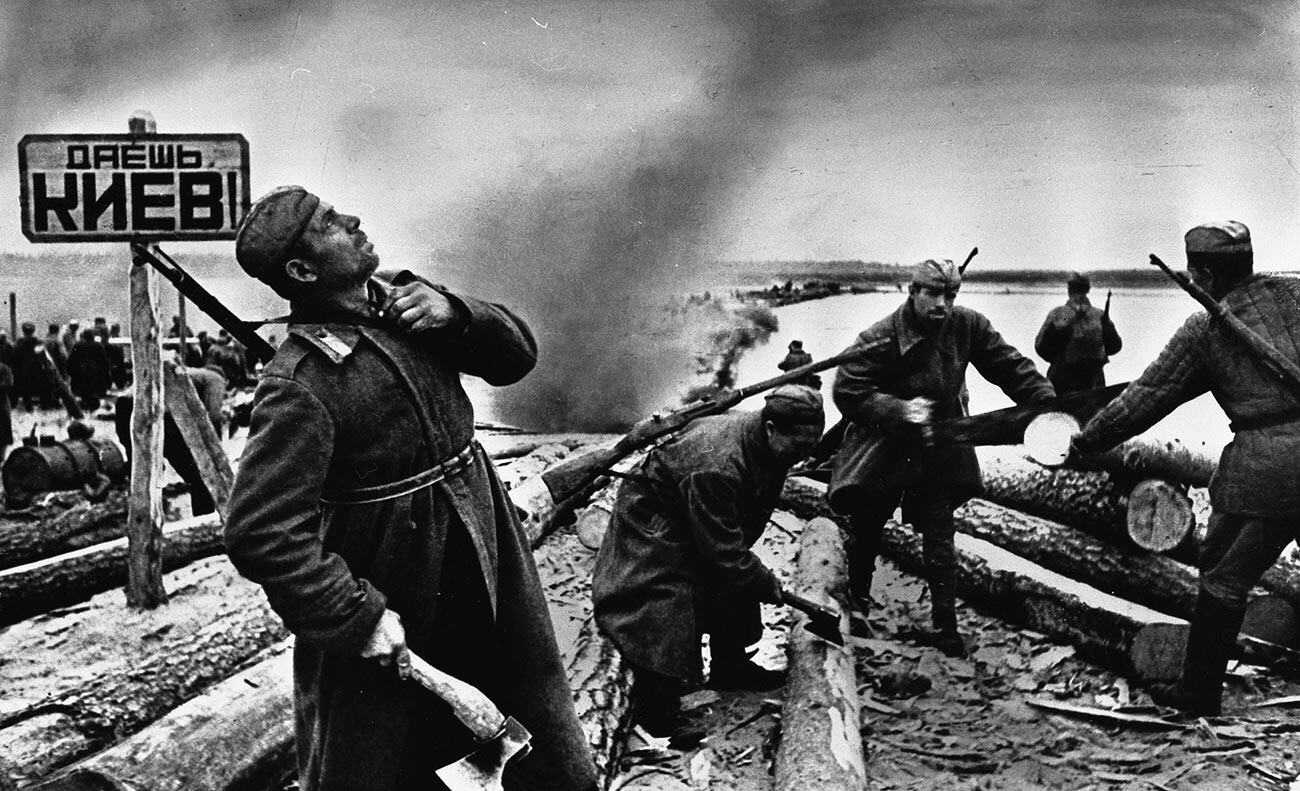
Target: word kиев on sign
[[122, 187]]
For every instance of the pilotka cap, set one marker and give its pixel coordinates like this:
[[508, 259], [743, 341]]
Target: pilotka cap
[[795, 404], [271, 229], [1218, 238], [939, 273], [1078, 280]]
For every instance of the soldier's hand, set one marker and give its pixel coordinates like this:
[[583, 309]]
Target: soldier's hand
[[417, 306], [387, 644], [918, 410]]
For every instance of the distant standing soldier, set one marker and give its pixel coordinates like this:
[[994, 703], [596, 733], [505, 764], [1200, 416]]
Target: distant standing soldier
[[54, 346], [911, 369], [30, 379], [117, 368], [1255, 492], [796, 357], [70, 336], [89, 370], [1077, 340]]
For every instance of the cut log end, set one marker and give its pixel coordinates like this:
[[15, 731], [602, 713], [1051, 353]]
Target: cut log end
[[1160, 516]]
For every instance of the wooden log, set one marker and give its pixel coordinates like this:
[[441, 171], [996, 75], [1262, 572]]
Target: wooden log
[[26, 536], [1170, 461], [52, 734], [238, 734], [1155, 581], [513, 445], [821, 746], [599, 680], [1103, 627], [1152, 514], [195, 427], [529, 465], [1160, 517], [61, 580]]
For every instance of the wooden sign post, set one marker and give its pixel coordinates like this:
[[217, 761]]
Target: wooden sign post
[[144, 586], [143, 187]]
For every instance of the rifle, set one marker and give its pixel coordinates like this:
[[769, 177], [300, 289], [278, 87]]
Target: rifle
[[567, 480], [1281, 367], [240, 330], [961, 270], [1105, 312]]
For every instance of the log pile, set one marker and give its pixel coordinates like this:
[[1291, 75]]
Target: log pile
[[181, 714], [1129, 538]]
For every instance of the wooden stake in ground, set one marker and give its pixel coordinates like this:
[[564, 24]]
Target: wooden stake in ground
[[191, 418], [821, 746], [144, 588]]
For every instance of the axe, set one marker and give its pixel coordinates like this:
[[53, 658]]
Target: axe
[[500, 737], [822, 620]]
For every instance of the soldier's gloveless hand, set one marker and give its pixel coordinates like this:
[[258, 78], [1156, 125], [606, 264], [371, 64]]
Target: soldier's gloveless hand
[[417, 307], [387, 644]]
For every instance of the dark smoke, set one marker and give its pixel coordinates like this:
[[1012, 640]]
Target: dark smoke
[[591, 259]]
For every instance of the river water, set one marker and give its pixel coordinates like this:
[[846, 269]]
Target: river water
[[1145, 318]]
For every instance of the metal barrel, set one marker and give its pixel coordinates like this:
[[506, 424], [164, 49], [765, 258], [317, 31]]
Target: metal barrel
[[32, 470]]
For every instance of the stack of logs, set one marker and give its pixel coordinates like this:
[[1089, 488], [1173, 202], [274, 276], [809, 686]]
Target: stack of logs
[[1101, 555], [1096, 557], [198, 696]]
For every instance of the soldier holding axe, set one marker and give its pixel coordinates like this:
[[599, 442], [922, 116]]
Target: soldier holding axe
[[1244, 350], [380, 532]]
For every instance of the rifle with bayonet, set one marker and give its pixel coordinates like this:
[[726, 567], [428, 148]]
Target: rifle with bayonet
[[570, 478], [1281, 367], [240, 330]]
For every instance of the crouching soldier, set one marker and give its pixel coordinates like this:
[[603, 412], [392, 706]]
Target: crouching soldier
[[677, 563]]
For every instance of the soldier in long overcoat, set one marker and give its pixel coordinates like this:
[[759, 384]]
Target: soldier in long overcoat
[[676, 562], [911, 369], [376, 524], [1255, 491]]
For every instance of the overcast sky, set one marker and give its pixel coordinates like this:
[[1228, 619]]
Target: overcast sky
[[1079, 134]]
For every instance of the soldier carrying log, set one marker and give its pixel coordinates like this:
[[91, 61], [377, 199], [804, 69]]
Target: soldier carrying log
[[911, 370], [376, 524], [1255, 492]]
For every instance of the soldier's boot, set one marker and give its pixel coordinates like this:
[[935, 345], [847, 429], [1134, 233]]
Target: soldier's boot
[[861, 548], [732, 668], [656, 707], [1210, 643], [941, 574]]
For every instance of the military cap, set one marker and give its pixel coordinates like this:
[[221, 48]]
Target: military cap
[[1078, 281], [1218, 238], [794, 404], [271, 228], [939, 273], [795, 345]]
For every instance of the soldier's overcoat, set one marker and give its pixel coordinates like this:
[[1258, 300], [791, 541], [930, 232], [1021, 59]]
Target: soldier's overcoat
[[882, 455], [342, 408], [679, 542]]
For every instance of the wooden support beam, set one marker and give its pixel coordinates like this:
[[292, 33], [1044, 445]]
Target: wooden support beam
[[144, 588], [191, 419]]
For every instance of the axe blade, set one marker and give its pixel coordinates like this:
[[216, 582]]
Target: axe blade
[[481, 770], [825, 623]]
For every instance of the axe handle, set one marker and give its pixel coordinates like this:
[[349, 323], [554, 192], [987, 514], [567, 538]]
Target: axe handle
[[806, 605], [471, 706]]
